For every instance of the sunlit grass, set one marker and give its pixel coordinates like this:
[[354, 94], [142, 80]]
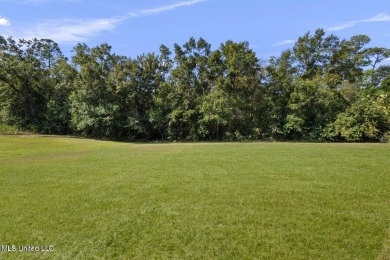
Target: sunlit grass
[[194, 201]]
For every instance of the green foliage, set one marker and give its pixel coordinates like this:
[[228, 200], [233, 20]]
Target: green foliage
[[10, 130], [367, 119], [216, 114], [312, 92], [35, 83], [58, 106], [241, 83], [279, 87], [294, 126]]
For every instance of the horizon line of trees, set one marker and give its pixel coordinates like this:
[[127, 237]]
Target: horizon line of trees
[[323, 89]]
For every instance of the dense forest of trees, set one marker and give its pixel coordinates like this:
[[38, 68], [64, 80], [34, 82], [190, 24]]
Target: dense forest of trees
[[323, 89]]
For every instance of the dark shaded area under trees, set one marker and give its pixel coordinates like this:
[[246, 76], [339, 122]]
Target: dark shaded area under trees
[[323, 89]]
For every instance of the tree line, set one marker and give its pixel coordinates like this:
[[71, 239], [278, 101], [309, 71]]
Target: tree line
[[323, 89]]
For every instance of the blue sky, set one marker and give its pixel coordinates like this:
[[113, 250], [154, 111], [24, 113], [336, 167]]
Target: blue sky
[[136, 27]]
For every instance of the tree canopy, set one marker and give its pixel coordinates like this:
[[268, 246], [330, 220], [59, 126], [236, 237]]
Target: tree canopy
[[323, 89]]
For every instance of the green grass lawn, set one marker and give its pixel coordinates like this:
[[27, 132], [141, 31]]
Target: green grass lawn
[[96, 199]]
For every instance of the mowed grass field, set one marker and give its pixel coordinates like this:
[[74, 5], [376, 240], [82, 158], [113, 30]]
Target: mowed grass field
[[98, 199]]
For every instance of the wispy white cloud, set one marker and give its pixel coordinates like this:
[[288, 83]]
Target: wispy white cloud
[[382, 17], [4, 21], [286, 42], [164, 8], [78, 30], [72, 30], [342, 26]]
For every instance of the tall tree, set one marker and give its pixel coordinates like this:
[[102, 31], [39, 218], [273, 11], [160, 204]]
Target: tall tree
[[25, 80], [280, 74], [58, 116], [94, 101], [189, 80], [241, 82]]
